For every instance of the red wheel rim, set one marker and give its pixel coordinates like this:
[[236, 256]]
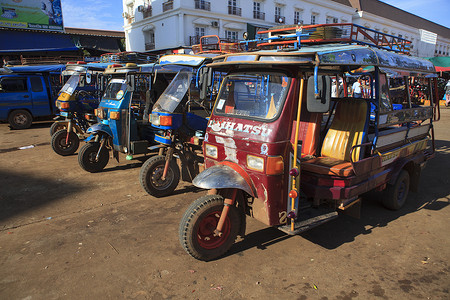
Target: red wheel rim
[[205, 233]]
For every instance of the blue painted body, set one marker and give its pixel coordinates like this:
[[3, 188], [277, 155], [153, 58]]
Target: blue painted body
[[39, 102]]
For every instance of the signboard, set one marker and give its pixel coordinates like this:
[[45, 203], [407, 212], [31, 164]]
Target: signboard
[[31, 14]]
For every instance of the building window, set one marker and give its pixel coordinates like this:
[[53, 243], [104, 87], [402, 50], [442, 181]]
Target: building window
[[279, 18], [257, 14], [168, 5], [202, 4], [298, 17], [331, 20], [149, 38], [199, 31], [231, 35], [313, 19], [233, 8]]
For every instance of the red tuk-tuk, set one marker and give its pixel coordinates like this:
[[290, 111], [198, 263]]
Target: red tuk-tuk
[[280, 149]]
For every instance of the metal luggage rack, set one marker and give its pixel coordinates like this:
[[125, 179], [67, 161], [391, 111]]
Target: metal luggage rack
[[127, 57], [216, 45], [291, 37]]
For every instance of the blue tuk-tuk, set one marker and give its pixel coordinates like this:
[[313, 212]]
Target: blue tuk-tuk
[[181, 114], [76, 102], [123, 114]]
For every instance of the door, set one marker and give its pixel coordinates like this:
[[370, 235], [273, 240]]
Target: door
[[13, 95], [40, 97]]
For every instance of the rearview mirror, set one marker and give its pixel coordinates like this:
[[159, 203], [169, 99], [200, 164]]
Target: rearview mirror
[[130, 82], [318, 102], [205, 82]]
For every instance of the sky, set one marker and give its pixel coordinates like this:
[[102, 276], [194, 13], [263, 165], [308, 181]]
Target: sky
[[107, 14]]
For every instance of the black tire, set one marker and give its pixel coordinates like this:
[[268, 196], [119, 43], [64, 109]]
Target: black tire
[[60, 146], [197, 227], [20, 119], [395, 195], [57, 126], [150, 176], [87, 154]]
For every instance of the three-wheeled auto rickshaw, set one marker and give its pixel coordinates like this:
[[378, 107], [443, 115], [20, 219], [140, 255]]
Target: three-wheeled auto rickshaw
[[276, 149], [180, 114], [124, 114], [76, 102]]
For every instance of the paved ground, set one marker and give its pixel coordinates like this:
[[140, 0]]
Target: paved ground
[[66, 233]]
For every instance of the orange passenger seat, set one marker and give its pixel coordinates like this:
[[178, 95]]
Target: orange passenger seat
[[348, 128]]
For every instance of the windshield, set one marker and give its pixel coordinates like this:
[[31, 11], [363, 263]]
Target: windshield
[[252, 95], [175, 92], [115, 89], [71, 84]]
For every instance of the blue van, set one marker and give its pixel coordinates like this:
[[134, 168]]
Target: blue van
[[28, 92]]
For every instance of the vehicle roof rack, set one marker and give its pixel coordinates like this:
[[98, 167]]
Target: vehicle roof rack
[[128, 57], [216, 45], [293, 36]]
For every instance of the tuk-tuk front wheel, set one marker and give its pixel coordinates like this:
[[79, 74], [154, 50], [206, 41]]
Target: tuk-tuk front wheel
[[87, 157], [395, 195], [197, 227], [65, 146], [57, 126], [151, 176], [20, 119]]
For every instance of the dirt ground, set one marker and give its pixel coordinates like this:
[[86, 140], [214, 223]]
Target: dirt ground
[[69, 234]]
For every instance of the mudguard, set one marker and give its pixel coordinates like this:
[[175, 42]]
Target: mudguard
[[75, 126], [99, 127], [225, 177]]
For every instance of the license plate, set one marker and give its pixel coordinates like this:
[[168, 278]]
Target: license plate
[[64, 114]]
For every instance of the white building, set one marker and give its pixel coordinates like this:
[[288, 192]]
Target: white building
[[171, 24]]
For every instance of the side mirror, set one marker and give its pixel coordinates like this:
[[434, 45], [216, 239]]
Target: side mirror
[[205, 82], [320, 102], [131, 82], [88, 78]]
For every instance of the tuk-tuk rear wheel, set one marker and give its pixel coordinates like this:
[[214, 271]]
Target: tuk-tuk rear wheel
[[197, 227], [395, 195], [60, 146], [151, 173], [87, 157]]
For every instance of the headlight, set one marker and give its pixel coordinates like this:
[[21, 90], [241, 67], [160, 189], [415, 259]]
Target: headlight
[[211, 151], [255, 163], [154, 119]]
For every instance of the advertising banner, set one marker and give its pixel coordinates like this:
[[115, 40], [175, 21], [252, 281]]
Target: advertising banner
[[31, 14]]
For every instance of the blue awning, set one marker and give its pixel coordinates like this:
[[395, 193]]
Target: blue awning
[[24, 41]]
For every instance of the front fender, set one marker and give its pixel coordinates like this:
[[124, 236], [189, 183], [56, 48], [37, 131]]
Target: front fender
[[100, 127], [225, 176]]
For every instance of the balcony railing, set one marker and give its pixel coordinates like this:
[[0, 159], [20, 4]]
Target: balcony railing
[[149, 46], [298, 21], [259, 15], [201, 4], [233, 10], [167, 5], [280, 19], [147, 13]]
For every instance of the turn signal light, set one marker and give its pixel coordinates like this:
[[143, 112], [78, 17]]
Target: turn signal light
[[114, 115], [294, 172], [275, 165], [165, 120], [64, 105]]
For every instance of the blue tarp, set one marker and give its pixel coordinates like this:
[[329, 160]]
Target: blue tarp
[[23, 41], [34, 69]]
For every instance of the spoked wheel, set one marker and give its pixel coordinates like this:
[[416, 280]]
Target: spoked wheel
[[20, 119], [197, 227], [57, 126], [151, 176], [63, 146], [395, 195], [87, 157]]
